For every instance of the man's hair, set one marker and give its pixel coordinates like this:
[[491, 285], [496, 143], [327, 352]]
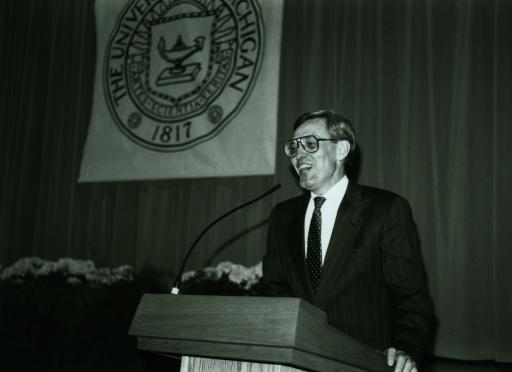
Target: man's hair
[[338, 127]]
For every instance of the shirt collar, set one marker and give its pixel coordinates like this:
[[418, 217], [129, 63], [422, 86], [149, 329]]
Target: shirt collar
[[335, 193]]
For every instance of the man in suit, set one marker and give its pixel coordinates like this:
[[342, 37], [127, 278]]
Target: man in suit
[[351, 250]]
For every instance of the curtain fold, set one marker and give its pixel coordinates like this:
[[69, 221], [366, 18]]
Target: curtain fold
[[427, 84]]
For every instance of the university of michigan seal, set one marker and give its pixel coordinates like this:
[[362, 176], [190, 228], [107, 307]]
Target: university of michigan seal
[[177, 71]]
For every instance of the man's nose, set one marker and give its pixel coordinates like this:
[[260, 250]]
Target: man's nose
[[301, 152]]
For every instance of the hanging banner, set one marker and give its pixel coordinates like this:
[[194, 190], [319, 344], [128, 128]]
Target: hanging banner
[[184, 88]]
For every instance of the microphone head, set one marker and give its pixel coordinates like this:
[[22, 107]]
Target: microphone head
[[270, 191], [275, 188]]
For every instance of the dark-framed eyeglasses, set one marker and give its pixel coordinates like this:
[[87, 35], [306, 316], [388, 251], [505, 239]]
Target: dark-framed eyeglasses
[[309, 143]]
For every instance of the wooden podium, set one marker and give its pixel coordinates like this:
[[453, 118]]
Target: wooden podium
[[224, 333]]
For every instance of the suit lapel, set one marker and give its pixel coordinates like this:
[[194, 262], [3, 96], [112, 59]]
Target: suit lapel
[[297, 248], [346, 226]]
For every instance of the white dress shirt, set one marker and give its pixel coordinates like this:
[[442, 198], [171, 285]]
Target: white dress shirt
[[329, 209]]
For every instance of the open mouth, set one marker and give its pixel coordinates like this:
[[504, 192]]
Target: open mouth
[[304, 168]]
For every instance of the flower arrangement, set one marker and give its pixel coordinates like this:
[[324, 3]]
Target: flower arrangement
[[227, 278], [75, 271]]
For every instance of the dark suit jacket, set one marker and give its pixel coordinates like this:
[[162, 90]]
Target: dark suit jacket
[[373, 284]]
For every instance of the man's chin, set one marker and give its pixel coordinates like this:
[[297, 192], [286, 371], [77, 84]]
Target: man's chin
[[305, 183]]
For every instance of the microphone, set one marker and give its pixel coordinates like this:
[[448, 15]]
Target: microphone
[[176, 288]]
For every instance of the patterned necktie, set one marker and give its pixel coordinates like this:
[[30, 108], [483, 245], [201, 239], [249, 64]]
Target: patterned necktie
[[314, 253]]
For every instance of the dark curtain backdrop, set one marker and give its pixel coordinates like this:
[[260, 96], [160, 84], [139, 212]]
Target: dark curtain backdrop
[[427, 83]]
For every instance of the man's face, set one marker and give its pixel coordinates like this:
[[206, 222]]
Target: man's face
[[317, 171]]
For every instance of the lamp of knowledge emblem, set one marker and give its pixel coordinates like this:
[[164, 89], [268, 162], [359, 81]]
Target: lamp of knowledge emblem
[[177, 71]]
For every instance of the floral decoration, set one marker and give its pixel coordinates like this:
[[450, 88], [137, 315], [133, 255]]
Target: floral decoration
[[75, 271], [227, 278]]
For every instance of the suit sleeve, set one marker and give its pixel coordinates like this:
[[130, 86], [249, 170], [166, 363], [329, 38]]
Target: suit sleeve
[[406, 281], [274, 282]]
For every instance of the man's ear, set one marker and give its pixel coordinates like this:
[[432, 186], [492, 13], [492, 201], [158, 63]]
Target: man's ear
[[343, 149]]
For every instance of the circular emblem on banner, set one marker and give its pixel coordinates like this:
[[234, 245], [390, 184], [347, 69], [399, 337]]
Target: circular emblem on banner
[[177, 71]]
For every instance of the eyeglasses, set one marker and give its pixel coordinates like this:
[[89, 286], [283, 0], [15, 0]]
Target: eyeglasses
[[308, 143]]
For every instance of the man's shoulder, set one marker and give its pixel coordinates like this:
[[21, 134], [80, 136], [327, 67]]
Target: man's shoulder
[[287, 209], [294, 203], [381, 198], [376, 193]]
